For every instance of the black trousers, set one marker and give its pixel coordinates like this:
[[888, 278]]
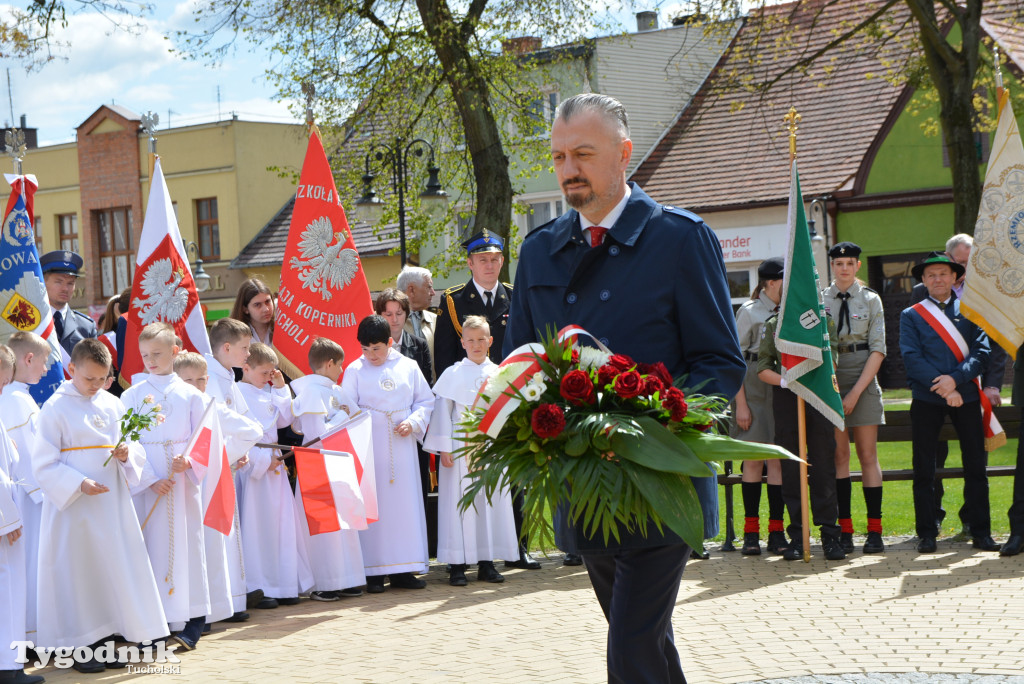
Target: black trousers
[[637, 590], [821, 465], [1017, 507], [941, 454], [926, 421]]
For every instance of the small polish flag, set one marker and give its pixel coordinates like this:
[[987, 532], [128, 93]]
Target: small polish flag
[[330, 490], [356, 437], [210, 464]]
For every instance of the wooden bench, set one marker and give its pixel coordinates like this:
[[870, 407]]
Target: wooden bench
[[897, 428]]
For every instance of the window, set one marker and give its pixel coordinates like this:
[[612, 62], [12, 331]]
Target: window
[[38, 221], [542, 212], [740, 284], [117, 254], [67, 226], [208, 229], [542, 112]]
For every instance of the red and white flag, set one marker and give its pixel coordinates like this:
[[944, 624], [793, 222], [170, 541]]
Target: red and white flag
[[210, 465], [330, 490], [356, 437], [323, 289], [163, 288]]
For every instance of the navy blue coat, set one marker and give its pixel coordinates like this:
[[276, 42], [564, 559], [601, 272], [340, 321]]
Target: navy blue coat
[[926, 356], [655, 290]]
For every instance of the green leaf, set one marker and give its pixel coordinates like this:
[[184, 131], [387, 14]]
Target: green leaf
[[710, 447], [674, 501], [577, 444], [658, 449]]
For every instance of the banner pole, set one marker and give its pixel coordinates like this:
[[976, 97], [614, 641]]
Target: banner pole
[[805, 523]]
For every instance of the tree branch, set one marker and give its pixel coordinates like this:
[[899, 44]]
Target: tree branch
[[931, 33]]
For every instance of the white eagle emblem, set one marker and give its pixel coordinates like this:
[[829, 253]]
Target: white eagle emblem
[[162, 298], [323, 265]]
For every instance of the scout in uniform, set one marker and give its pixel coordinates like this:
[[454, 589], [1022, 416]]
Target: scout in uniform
[[752, 411], [821, 445], [61, 271], [860, 333]]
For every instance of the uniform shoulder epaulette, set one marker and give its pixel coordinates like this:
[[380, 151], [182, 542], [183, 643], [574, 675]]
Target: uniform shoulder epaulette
[[454, 288], [508, 286], [682, 212], [865, 287], [434, 309], [82, 315]]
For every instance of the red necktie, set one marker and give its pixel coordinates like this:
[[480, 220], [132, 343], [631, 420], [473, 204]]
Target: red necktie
[[597, 235]]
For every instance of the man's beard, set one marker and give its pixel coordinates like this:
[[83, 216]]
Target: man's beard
[[579, 201]]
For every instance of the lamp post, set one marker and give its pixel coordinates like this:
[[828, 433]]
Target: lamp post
[[821, 204], [199, 275], [396, 159]]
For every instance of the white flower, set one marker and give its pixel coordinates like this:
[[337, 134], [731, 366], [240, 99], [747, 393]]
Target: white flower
[[532, 391], [591, 358], [148, 399]]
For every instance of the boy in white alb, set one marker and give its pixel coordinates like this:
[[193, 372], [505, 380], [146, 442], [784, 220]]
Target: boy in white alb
[[392, 388], [169, 500], [239, 434], [95, 578], [230, 341], [12, 552], [336, 558], [19, 411], [486, 530], [275, 558]]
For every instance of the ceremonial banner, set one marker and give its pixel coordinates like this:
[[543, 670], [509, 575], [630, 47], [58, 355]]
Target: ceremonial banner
[[163, 288], [209, 460], [330, 491], [356, 437], [993, 296], [323, 289], [24, 305], [802, 332]]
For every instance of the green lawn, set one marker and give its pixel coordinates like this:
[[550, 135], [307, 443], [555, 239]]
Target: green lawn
[[898, 502]]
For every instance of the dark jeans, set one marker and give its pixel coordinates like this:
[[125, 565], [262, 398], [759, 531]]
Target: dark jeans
[[926, 421], [194, 629], [637, 590], [821, 465], [1017, 507]]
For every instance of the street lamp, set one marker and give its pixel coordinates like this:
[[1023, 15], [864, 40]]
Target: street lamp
[[820, 204], [199, 275], [396, 159]]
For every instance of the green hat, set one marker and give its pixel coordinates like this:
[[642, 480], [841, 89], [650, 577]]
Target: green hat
[[936, 258]]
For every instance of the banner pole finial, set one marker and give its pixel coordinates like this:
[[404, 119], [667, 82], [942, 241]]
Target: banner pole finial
[[15, 145], [792, 121], [309, 90]]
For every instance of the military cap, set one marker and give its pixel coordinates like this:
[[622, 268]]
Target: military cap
[[844, 249], [771, 269], [62, 261], [936, 258], [484, 241]]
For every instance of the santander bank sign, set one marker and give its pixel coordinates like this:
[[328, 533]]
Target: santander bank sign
[[755, 243]]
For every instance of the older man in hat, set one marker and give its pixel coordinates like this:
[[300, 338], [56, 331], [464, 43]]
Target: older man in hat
[[944, 353], [483, 296], [61, 271]]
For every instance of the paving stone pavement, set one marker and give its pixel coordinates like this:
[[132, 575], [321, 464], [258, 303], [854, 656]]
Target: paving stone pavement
[[953, 616]]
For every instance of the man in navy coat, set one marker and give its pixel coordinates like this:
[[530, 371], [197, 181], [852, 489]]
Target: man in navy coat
[[649, 281], [61, 271], [942, 385]]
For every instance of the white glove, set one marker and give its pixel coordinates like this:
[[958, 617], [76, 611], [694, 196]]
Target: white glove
[[782, 383]]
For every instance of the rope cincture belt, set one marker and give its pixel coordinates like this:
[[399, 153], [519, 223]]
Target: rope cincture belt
[[391, 431]]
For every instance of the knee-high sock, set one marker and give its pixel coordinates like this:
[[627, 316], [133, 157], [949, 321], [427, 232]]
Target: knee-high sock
[[751, 507], [776, 508], [844, 492], [873, 502]]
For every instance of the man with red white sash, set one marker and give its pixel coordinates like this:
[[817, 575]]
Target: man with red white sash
[[944, 354]]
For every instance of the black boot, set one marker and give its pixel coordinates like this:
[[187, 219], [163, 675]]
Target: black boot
[[457, 576], [751, 544]]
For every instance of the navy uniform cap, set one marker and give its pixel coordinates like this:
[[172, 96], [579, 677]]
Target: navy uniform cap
[[771, 269], [62, 261], [844, 249], [484, 241]]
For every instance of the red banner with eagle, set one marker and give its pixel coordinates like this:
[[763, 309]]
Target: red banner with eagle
[[323, 289], [162, 288]]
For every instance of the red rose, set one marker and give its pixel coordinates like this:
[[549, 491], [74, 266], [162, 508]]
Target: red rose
[[621, 362], [674, 400], [629, 384], [575, 357], [653, 384], [547, 421], [606, 374], [577, 387], [656, 369]]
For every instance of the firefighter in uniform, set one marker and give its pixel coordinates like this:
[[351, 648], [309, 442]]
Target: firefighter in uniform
[[61, 271]]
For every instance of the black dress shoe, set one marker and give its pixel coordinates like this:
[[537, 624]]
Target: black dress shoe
[[240, 616], [1013, 545], [375, 584], [985, 544], [405, 580], [525, 562], [253, 598], [699, 555], [573, 559], [290, 601], [846, 541], [751, 544], [486, 572], [90, 666], [457, 576], [874, 543], [833, 549], [777, 542], [795, 551], [267, 603], [927, 545], [19, 677]]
